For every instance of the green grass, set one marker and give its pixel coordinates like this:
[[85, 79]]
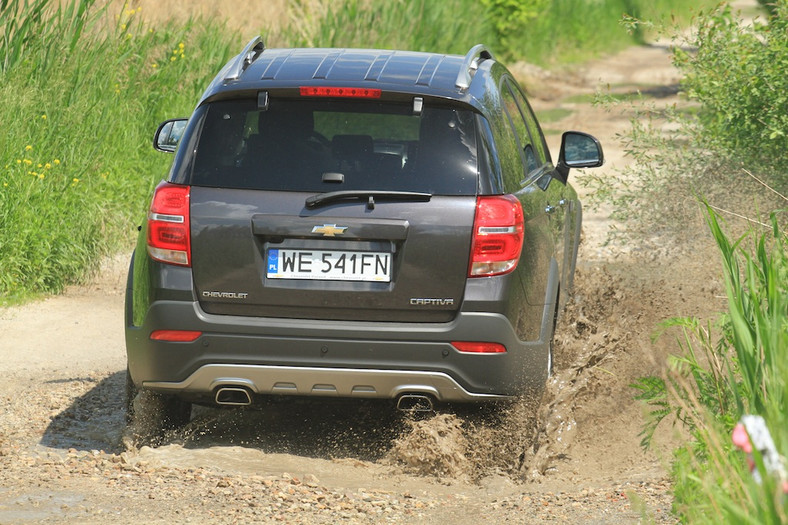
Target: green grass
[[570, 31], [548, 116], [420, 25], [717, 379], [75, 153]]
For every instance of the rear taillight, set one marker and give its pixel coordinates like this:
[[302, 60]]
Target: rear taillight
[[497, 235], [168, 225]]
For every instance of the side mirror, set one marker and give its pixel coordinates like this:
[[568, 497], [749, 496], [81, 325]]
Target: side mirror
[[579, 150], [169, 135]]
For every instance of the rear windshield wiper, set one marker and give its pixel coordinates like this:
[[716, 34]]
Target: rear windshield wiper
[[369, 195]]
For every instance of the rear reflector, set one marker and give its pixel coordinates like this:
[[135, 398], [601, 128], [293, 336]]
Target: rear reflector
[[473, 347], [497, 235], [175, 336], [344, 92], [168, 225]]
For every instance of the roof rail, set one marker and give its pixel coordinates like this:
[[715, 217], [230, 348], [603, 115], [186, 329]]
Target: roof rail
[[471, 63], [247, 56]]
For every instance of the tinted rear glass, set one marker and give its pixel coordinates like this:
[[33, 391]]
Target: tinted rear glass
[[327, 145]]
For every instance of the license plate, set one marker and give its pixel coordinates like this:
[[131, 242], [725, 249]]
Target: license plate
[[329, 265]]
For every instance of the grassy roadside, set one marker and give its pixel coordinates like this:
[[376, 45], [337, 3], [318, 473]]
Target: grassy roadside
[[729, 154], [720, 381], [76, 155]]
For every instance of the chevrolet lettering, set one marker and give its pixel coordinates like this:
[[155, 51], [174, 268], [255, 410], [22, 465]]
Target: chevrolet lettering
[[400, 208], [225, 295]]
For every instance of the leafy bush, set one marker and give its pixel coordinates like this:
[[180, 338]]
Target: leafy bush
[[726, 146], [738, 76]]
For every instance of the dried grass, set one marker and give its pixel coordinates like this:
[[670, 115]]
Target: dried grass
[[248, 19]]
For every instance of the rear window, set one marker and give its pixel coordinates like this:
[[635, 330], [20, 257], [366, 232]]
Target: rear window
[[328, 145]]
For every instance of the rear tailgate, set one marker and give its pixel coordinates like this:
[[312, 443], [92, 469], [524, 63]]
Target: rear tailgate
[[263, 253]]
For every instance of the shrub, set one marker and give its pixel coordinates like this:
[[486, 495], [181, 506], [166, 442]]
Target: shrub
[[738, 76]]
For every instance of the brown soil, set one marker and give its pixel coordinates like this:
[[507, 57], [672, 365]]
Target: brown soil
[[62, 458]]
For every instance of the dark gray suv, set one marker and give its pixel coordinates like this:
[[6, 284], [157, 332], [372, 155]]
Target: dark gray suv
[[353, 223]]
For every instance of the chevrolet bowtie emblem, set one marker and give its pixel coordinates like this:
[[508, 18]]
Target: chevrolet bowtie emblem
[[329, 230]]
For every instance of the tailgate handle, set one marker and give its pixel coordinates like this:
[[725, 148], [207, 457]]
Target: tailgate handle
[[356, 228]]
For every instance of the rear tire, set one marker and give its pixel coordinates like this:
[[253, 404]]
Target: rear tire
[[151, 415]]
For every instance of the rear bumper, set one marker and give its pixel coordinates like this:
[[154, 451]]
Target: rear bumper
[[331, 358], [330, 382]]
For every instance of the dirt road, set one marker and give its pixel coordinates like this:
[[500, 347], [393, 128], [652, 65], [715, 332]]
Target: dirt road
[[62, 457]]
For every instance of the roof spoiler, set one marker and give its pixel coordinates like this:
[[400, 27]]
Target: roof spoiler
[[471, 63], [250, 53]]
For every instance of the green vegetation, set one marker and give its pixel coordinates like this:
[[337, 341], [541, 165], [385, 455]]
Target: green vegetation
[[545, 32], [713, 383], [738, 76], [80, 100], [731, 151], [561, 31], [418, 25], [725, 147]]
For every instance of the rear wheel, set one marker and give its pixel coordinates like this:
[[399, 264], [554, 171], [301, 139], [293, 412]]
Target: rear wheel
[[150, 415], [551, 345]]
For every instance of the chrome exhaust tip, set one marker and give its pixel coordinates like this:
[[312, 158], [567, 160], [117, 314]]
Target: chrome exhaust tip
[[233, 396], [415, 403]]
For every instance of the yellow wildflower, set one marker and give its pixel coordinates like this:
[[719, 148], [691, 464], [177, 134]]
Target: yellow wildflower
[[74, 180], [173, 59], [47, 166], [28, 147], [19, 161], [43, 117], [28, 162], [41, 176], [56, 162], [154, 65]]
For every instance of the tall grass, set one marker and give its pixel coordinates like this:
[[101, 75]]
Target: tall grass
[[713, 384], [418, 25], [81, 95]]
